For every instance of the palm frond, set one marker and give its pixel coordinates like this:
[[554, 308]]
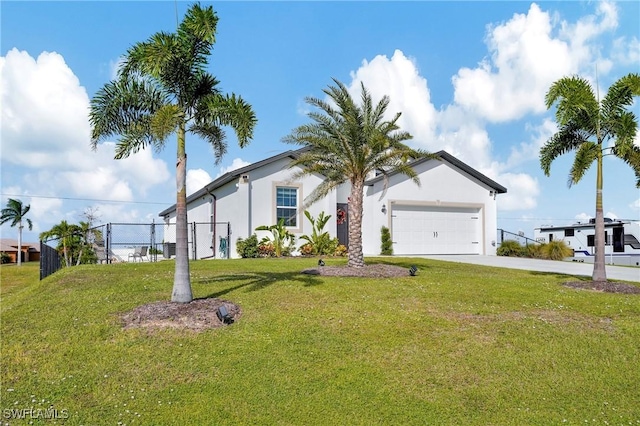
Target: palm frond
[[567, 139], [586, 154], [124, 107]]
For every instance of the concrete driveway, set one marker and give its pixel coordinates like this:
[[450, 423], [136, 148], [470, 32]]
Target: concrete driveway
[[570, 268]]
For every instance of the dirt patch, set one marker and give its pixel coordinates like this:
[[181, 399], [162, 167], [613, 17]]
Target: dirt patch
[[199, 315], [606, 286], [376, 270]]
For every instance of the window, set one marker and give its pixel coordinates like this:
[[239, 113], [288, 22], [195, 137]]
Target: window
[[569, 232], [287, 205], [591, 240]]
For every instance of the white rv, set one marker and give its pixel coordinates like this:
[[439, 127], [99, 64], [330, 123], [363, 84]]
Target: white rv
[[622, 240]]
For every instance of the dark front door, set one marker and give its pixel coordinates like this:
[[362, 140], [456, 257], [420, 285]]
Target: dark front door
[[342, 220]]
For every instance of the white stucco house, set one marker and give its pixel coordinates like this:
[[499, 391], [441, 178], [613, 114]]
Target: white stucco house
[[452, 212]]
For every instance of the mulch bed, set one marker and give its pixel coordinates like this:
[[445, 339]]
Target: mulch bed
[[606, 286], [376, 270], [199, 315]]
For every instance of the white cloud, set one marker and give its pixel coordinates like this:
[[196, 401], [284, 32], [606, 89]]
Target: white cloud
[[46, 138], [196, 180], [635, 205], [626, 51], [522, 192], [583, 217], [526, 56], [400, 79]]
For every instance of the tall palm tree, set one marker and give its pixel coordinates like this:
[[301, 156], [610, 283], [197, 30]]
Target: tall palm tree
[[347, 142], [593, 129], [163, 88], [16, 212]]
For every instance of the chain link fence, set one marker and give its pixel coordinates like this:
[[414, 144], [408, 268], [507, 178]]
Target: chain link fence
[[132, 242]]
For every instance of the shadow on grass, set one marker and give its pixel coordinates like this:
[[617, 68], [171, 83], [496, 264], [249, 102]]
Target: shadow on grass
[[256, 281], [561, 277]]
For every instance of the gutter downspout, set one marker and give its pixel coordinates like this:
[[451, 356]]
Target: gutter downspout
[[213, 241]]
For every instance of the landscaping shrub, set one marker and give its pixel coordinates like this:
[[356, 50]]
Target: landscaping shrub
[[248, 248], [386, 247], [5, 258], [267, 249], [510, 248], [341, 250], [535, 251], [557, 250]]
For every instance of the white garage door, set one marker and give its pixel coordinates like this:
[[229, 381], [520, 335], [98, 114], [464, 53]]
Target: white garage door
[[435, 230]]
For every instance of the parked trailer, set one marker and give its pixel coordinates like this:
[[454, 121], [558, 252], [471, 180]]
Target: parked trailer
[[622, 240]]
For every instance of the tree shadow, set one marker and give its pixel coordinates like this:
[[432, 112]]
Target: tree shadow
[[255, 281]]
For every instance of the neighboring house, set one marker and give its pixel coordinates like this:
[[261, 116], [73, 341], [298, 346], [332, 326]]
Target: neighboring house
[[452, 212], [30, 251]]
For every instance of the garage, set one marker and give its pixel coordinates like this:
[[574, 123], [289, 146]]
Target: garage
[[420, 229]]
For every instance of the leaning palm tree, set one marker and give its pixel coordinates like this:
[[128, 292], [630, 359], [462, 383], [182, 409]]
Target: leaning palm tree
[[593, 128], [347, 142], [16, 212], [163, 88]]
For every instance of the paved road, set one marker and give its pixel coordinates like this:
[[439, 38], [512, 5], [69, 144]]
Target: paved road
[[571, 268]]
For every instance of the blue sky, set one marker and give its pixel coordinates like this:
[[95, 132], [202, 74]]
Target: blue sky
[[469, 78]]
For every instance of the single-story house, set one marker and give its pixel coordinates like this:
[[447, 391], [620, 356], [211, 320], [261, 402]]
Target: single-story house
[[30, 251], [452, 212]]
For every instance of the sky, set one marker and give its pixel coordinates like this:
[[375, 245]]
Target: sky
[[468, 77]]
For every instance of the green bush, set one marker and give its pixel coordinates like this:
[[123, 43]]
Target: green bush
[[386, 247], [510, 248], [557, 250], [247, 248], [5, 258]]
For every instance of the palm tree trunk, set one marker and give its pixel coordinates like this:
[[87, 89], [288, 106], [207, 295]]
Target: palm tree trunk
[[181, 280], [599, 269], [19, 243], [356, 259]]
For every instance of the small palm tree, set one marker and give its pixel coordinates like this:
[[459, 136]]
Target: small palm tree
[[65, 233], [348, 142], [16, 212], [593, 129], [163, 89]]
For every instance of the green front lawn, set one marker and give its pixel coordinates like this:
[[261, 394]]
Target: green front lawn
[[456, 344]]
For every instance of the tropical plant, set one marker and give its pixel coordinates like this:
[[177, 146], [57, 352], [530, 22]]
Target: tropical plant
[[510, 248], [319, 240], [593, 128], [163, 88], [557, 250], [67, 236], [247, 247], [281, 238], [386, 245], [348, 142], [5, 258], [15, 213]]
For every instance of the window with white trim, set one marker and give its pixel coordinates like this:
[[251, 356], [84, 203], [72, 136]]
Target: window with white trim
[[287, 205]]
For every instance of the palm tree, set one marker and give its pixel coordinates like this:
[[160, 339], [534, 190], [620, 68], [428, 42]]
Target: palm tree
[[348, 142], [64, 232], [16, 212], [593, 128], [163, 88]]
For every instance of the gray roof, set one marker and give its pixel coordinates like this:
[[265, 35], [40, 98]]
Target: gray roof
[[235, 174]]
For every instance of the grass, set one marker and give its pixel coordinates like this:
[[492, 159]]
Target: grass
[[457, 344]]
